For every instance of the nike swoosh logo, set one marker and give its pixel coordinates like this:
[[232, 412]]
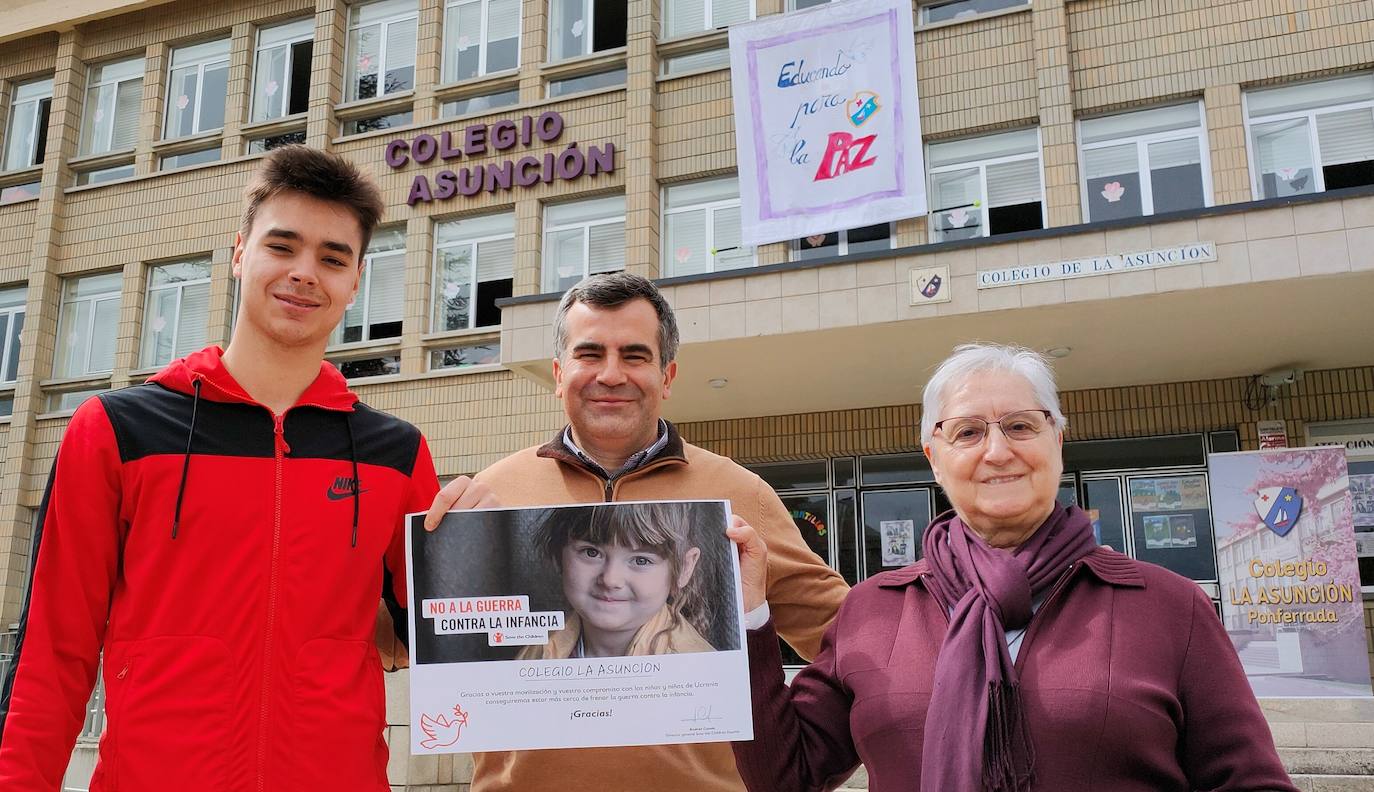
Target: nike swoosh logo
[[335, 495]]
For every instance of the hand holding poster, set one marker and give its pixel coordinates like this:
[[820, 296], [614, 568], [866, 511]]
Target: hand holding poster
[[576, 626], [827, 122]]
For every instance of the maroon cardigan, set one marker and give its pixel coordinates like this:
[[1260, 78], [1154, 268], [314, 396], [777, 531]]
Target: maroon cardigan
[[1128, 677]]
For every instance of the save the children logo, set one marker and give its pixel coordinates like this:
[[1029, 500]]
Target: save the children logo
[[1279, 508], [507, 621], [440, 731]]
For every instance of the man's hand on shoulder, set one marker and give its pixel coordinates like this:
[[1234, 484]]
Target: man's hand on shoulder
[[461, 493]]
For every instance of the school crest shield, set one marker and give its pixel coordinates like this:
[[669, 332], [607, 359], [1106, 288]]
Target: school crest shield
[[1279, 507]]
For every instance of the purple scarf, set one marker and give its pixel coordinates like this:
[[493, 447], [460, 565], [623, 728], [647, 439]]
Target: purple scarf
[[976, 737]]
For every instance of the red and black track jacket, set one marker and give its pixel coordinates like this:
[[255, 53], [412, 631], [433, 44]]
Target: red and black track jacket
[[229, 564]]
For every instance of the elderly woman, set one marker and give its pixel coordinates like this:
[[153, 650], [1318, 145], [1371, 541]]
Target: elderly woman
[[1016, 655]]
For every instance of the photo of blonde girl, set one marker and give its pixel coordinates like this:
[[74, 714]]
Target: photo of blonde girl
[[633, 580]]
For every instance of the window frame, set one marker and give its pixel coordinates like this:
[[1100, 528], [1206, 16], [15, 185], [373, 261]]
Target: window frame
[[923, 6], [1313, 134], [982, 165], [666, 262], [708, 8], [116, 295], [258, 51], [36, 155], [1142, 143], [86, 112], [201, 66], [350, 62], [180, 287], [586, 226], [794, 249], [482, 70], [8, 350], [336, 337], [438, 281]]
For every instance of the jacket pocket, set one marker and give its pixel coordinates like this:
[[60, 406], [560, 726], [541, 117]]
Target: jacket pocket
[[169, 708], [338, 697]]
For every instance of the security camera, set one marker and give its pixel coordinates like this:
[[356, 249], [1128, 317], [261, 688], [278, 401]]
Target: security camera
[[1279, 377]]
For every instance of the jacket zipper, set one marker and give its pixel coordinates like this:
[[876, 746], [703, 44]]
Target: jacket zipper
[[279, 451], [1035, 620], [610, 483]]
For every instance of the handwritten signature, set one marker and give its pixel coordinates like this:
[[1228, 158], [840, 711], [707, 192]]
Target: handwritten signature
[[702, 714]]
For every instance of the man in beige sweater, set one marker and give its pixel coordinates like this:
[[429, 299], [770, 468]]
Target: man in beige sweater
[[617, 341]]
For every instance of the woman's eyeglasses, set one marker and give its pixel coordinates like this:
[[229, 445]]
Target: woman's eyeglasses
[[971, 432]]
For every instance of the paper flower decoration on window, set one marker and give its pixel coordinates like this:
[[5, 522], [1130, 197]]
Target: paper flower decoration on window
[[451, 290], [463, 43], [365, 62], [1113, 191], [272, 88], [816, 240], [1287, 174], [182, 101], [99, 115], [958, 218], [159, 324], [682, 254], [577, 28]]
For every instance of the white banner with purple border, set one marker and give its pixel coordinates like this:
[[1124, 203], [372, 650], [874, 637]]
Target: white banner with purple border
[[827, 120]]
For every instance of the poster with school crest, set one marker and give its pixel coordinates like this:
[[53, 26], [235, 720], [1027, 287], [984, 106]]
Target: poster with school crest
[[576, 626], [827, 120], [1290, 586]]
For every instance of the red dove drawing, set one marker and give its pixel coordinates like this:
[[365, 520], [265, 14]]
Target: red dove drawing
[[441, 732]]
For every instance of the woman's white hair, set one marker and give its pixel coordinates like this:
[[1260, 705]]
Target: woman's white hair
[[970, 359]]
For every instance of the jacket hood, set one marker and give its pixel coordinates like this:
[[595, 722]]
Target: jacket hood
[[329, 390]]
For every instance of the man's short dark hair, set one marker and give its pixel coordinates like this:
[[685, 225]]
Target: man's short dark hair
[[318, 174], [611, 290]]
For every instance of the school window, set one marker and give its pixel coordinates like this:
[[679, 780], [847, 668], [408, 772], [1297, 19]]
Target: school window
[[985, 186], [701, 228], [949, 10], [797, 5], [27, 136], [197, 88], [581, 27], [12, 309], [586, 82], [375, 123], [482, 103], [704, 60], [189, 158], [581, 239], [88, 325], [480, 37], [842, 243], [269, 142], [114, 100], [377, 310], [474, 266], [177, 313], [1312, 137], [1144, 163], [475, 353], [682, 17], [281, 70], [381, 48]]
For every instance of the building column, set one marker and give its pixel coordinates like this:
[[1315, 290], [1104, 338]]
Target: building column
[[529, 239], [428, 60], [534, 43], [21, 486], [640, 157], [155, 59], [1049, 20], [1226, 139], [238, 92], [415, 308], [326, 72]]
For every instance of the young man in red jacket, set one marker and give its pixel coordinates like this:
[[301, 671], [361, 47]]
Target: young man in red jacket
[[222, 533]]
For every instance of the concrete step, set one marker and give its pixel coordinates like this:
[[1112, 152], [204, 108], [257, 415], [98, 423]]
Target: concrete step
[[1333, 783], [1329, 761]]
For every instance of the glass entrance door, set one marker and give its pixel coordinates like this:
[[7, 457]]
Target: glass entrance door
[[894, 522]]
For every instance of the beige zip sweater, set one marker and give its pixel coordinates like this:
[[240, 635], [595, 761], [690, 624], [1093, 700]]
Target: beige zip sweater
[[803, 597]]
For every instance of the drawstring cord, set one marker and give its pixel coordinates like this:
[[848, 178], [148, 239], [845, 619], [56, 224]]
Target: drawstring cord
[[186, 462], [357, 485]]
